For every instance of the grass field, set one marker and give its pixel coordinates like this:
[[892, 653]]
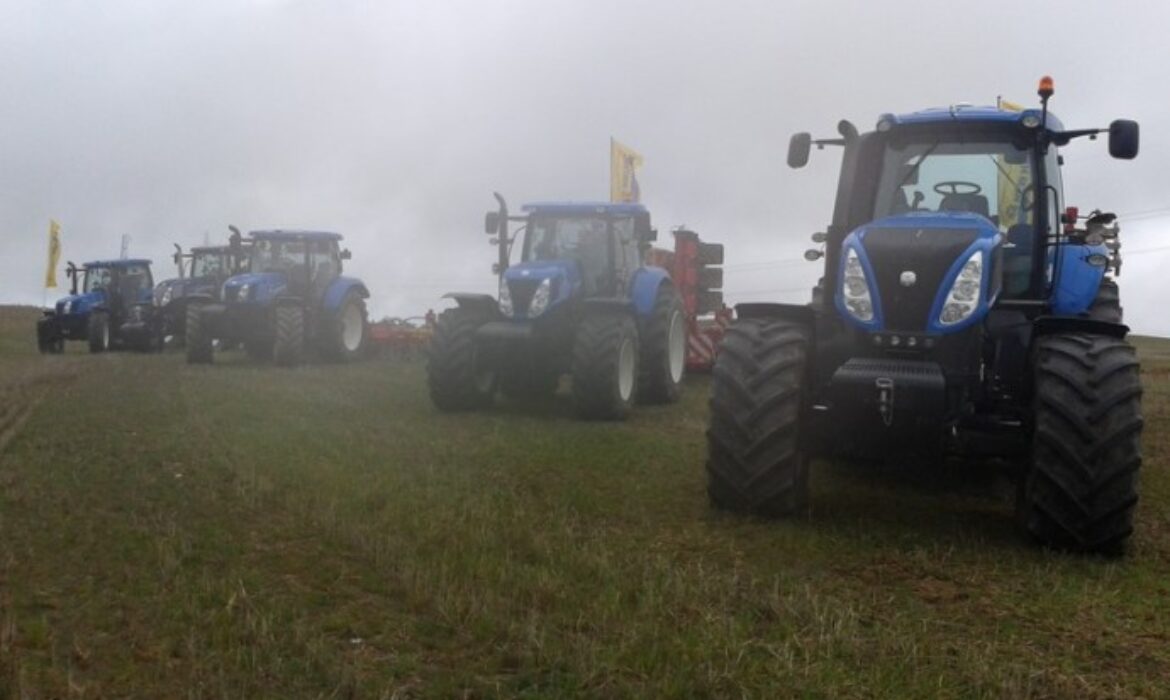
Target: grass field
[[244, 531]]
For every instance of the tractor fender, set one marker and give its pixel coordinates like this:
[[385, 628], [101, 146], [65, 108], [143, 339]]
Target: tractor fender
[[1048, 325], [484, 303], [1077, 281], [644, 289], [339, 288]]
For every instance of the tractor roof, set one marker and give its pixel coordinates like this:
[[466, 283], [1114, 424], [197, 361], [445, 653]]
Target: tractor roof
[[968, 114], [293, 235], [117, 263], [210, 249], [584, 208]]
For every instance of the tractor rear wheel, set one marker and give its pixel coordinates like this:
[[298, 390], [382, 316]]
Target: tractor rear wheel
[[345, 339], [664, 349], [198, 340], [458, 377], [1107, 305], [755, 461], [605, 366], [1081, 490], [98, 331], [288, 344]]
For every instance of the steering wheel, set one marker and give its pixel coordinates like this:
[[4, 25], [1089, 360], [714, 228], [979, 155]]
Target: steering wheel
[[956, 185]]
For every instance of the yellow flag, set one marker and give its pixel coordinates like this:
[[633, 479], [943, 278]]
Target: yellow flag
[[54, 253], [623, 179]]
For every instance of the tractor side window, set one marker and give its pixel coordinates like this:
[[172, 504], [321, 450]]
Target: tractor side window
[[629, 258], [324, 259]]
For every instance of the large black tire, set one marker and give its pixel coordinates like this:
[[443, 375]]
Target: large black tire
[[98, 331], [605, 366], [200, 350], [345, 338], [288, 342], [48, 342], [1081, 490], [1107, 305], [457, 378], [664, 349], [755, 461]]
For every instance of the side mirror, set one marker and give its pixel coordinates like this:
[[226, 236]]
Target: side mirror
[[798, 149], [491, 222], [642, 230], [345, 254], [1123, 139], [820, 237]]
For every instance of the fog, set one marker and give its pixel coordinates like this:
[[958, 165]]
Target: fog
[[392, 123]]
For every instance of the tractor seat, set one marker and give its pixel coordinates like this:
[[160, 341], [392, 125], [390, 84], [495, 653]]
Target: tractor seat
[[974, 203]]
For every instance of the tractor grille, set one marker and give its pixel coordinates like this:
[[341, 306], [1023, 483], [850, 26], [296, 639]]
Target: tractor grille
[[522, 291], [929, 253]]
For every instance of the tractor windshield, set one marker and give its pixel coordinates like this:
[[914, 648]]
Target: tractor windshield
[[582, 238], [209, 265], [97, 279], [277, 256], [990, 178]]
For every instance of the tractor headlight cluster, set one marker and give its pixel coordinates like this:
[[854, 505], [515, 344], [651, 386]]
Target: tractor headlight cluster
[[505, 298], [242, 294], [540, 298], [964, 295], [166, 296], [855, 288], [67, 307]]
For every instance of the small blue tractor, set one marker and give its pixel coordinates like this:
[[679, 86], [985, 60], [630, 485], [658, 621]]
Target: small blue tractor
[[111, 310], [580, 301], [202, 271], [963, 312], [292, 300]]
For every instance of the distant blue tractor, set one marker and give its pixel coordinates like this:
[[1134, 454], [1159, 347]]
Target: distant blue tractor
[[580, 301], [294, 300], [111, 310], [962, 311]]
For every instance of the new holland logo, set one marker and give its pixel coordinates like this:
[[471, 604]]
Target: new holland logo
[[908, 278]]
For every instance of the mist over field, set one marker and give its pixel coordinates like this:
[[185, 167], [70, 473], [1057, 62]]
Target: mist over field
[[393, 122]]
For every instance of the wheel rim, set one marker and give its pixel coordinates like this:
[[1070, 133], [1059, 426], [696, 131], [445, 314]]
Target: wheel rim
[[351, 328], [676, 344], [626, 369]]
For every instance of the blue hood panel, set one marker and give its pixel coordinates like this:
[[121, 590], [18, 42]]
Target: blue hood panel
[[543, 269], [82, 303], [522, 279], [263, 285]]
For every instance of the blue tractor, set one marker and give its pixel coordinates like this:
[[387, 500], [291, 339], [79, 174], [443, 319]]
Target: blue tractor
[[580, 301], [109, 306], [292, 301], [962, 312]]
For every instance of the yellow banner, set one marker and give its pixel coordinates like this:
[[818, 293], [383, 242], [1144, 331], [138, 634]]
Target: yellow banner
[[1015, 181], [54, 253], [623, 180]]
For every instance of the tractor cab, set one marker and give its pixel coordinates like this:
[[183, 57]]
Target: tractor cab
[[300, 263], [571, 251]]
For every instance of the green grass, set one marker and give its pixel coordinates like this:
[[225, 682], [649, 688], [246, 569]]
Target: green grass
[[245, 531]]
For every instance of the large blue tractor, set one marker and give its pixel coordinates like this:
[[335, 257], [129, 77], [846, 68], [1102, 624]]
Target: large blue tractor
[[580, 301], [112, 309], [963, 311], [293, 300]]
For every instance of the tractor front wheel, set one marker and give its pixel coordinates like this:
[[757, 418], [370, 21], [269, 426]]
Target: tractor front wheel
[[288, 345], [1081, 490], [605, 366], [199, 347], [755, 461], [458, 376], [48, 342], [664, 349], [99, 331]]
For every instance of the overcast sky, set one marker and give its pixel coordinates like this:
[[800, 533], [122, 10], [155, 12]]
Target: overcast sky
[[392, 123]]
